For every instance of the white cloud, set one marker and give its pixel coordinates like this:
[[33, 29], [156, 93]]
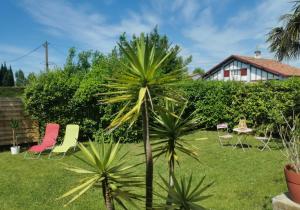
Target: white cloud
[[89, 28], [189, 22], [239, 34], [190, 9]]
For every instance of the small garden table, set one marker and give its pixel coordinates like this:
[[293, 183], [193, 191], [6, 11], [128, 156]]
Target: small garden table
[[242, 135]]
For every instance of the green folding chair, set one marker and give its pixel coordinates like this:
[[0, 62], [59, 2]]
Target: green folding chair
[[70, 141]]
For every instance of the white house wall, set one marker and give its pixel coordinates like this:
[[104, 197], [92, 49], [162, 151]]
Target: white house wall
[[258, 74], [234, 66]]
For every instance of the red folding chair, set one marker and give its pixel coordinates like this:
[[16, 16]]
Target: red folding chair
[[48, 141]]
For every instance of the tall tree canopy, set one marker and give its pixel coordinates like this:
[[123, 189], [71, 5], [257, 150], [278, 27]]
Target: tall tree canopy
[[79, 62], [2, 73], [199, 71], [162, 43], [6, 76], [20, 78]]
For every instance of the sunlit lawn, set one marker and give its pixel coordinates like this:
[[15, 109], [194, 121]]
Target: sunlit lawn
[[243, 180]]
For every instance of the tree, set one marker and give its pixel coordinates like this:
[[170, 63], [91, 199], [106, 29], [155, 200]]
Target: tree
[[186, 194], [8, 78], [5, 81], [199, 71], [4, 76], [80, 62], [107, 170], [83, 60], [20, 78], [161, 43], [284, 40], [2, 72], [31, 77], [169, 128], [70, 65], [138, 87], [11, 77]]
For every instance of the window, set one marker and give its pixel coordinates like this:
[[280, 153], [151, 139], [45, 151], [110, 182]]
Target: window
[[226, 73], [244, 72], [235, 72]]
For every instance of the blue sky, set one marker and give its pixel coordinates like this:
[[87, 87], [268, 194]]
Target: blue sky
[[209, 30]]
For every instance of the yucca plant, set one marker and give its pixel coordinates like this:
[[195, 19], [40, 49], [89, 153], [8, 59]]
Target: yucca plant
[[14, 124], [185, 195], [138, 87], [107, 169], [168, 130]]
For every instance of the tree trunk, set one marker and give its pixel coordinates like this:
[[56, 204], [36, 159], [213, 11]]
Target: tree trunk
[[171, 172], [14, 140], [171, 181], [109, 203], [148, 154]]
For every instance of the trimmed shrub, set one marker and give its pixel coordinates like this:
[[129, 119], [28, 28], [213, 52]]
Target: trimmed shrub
[[70, 96], [260, 103]]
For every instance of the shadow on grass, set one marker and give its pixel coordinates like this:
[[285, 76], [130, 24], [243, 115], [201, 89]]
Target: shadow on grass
[[266, 203]]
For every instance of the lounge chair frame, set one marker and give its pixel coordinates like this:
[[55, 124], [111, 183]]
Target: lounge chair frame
[[63, 153]]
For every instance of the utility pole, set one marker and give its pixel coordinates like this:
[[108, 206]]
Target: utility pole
[[46, 55]]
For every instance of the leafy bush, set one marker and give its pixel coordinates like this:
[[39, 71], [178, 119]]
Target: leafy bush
[[69, 95], [49, 98], [260, 103]]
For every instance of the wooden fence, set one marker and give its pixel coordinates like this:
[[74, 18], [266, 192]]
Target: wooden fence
[[12, 108]]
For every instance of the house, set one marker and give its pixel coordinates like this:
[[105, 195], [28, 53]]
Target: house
[[250, 69]]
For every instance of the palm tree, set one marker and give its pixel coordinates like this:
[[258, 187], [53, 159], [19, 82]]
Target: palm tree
[[169, 129], [107, 171], [138, 88], [184, 196], [285, 39]]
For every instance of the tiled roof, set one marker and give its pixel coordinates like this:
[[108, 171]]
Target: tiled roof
[[269, 65]]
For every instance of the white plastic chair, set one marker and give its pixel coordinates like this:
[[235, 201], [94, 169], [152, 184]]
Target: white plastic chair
[[223, 134]]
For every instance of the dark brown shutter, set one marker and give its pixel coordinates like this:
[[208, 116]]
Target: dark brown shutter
[[226, 73], [243, 72]]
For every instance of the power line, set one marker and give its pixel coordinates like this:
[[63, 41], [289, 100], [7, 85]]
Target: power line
[[20, 57]]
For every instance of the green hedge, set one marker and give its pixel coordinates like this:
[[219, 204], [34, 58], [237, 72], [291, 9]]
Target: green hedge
[[64, 97], [260, 103]]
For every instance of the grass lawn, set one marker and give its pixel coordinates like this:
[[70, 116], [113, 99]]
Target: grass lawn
[[243, 180], [11, 91]]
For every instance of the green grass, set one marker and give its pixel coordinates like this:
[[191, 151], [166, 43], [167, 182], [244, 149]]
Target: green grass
[[11, 91], [243, 180]]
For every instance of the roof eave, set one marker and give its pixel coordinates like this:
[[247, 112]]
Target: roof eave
[[248, 62]]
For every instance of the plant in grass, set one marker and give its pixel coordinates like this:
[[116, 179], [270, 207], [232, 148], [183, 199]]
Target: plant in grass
[[289, 132], [138, 87], [108, 170], [168, 129], [14, 124], [185, 195]]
